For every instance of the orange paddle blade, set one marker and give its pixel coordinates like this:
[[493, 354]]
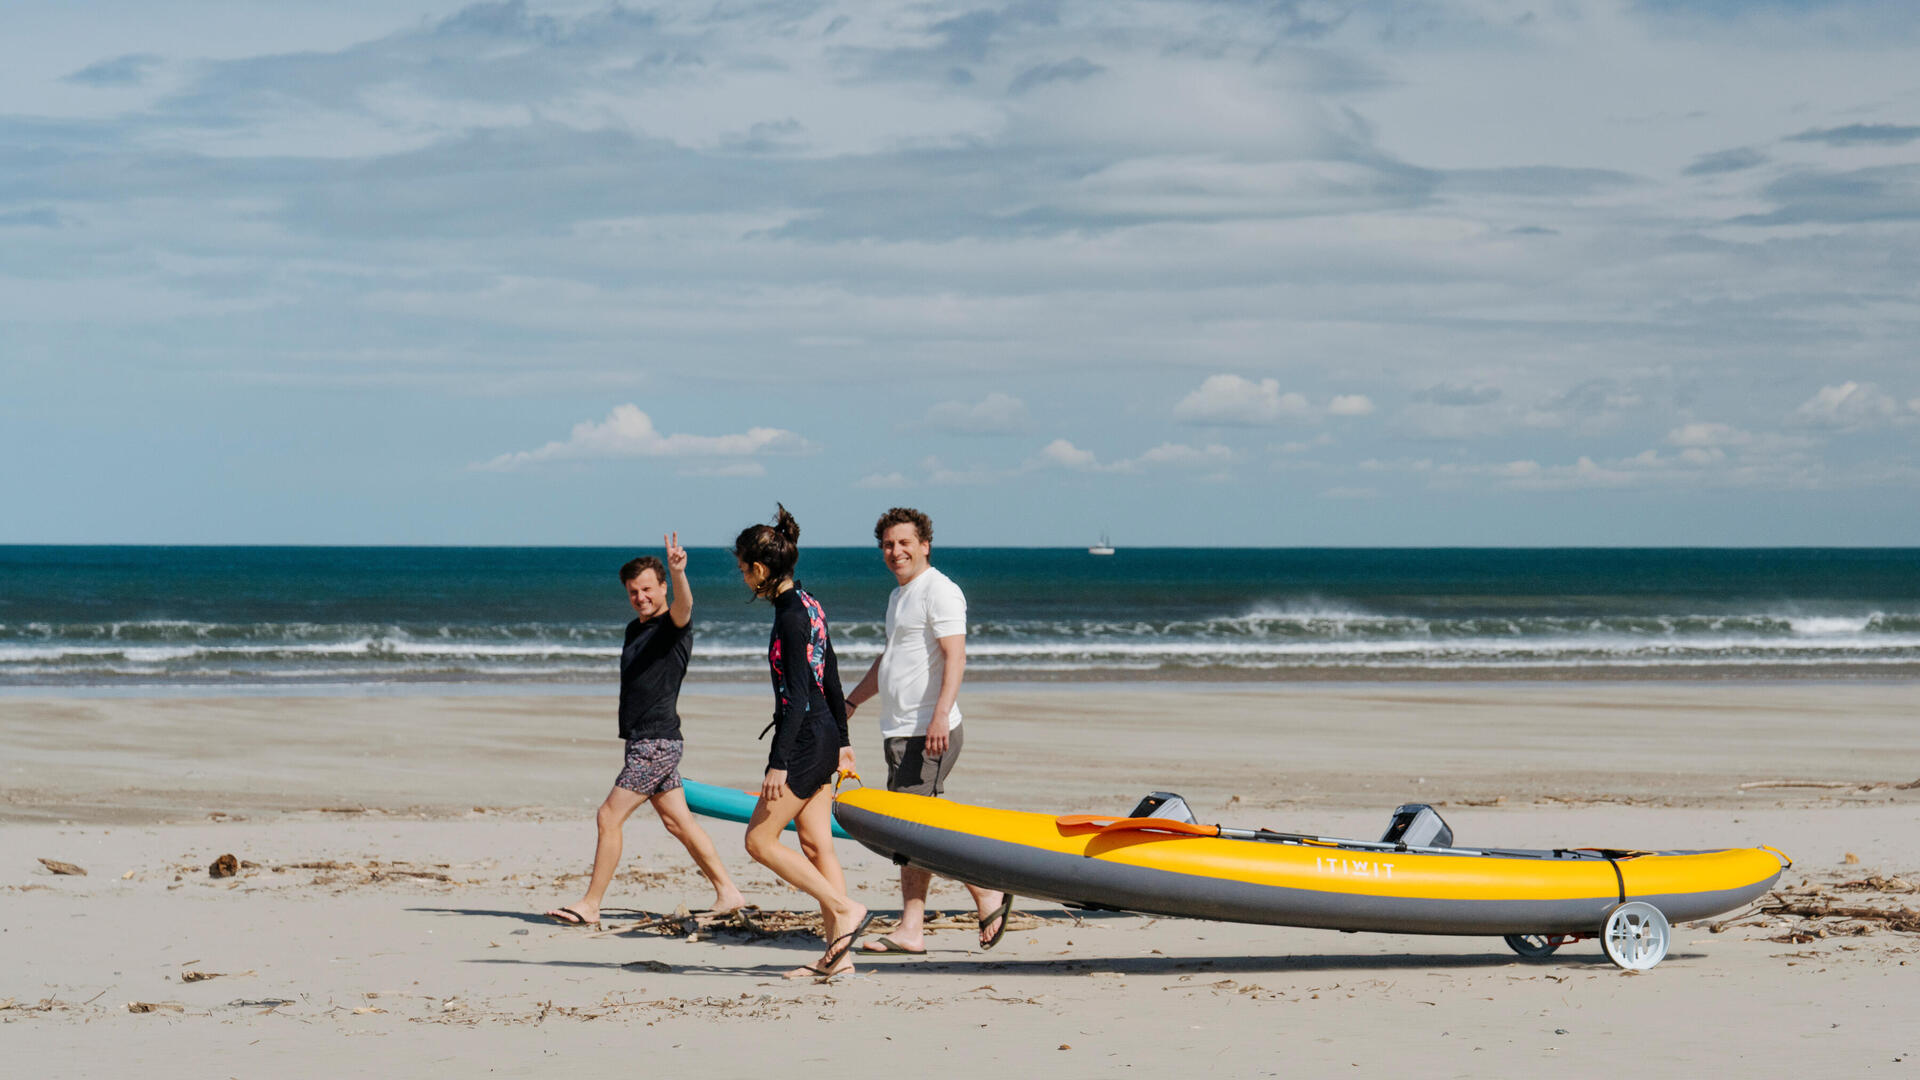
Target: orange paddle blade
[[1106, 823]]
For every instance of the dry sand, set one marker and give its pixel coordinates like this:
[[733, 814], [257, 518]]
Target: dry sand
[[400, 849]]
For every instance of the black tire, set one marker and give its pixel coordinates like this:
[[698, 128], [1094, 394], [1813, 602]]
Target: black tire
[[1531, 946]]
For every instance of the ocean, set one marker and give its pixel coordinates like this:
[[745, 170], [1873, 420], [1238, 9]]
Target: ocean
[[286, 617]]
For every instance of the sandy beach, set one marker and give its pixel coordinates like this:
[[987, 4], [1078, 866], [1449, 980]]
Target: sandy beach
[[394, 853]]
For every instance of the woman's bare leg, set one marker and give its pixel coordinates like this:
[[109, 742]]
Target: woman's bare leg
[[816, 843], [769, 819]]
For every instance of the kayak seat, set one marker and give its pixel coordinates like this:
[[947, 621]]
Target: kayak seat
[[1165, 805], [1418, 825]]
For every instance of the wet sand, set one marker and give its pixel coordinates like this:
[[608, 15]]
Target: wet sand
[[401, 848]]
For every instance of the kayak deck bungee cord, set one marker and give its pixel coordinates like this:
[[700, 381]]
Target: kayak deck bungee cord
[[1158, 861]]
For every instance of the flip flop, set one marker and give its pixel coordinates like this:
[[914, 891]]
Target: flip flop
[[1005, 909], [559, 915], [888, 945], [838, 952]]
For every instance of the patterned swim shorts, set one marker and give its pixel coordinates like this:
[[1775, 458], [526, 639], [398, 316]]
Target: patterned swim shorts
[[653, 766]]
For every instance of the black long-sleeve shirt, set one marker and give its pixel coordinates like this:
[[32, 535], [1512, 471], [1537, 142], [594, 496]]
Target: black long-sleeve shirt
[[806, 685]]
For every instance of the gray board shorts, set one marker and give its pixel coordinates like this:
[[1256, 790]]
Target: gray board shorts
[[909, 769]]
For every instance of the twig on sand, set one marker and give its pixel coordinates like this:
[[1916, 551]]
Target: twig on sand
[[59, 867], [1903, 919], [1833, 785]]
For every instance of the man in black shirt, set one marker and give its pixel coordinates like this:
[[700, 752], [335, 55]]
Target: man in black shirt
[[652, 664]]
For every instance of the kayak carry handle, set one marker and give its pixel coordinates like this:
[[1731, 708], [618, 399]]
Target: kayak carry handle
[[1786, 860], [1106, 823]]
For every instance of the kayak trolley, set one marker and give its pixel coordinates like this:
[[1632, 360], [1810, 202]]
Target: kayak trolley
[[1635, 937]]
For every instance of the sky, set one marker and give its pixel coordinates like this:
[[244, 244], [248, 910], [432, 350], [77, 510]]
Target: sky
[[1210, 272]]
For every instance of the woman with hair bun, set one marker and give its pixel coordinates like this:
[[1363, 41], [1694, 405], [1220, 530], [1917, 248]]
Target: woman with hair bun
[[809, 741]]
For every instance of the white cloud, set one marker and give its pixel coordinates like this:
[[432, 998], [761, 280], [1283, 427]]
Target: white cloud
[[938, 474], [1182, 456], [732, 469], [1848, 405], [1232, 399], [1350, 405], [1708, 435], [1061, 454], [1301, 446], [995, 414], [883, 481], [627, 432]]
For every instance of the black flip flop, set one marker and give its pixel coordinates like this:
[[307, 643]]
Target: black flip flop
[[888, 945], [838, 952], [1002, 912], [577, 920]]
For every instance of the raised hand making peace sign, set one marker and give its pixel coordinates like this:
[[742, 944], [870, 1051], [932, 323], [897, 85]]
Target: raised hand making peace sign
[[682, 609]]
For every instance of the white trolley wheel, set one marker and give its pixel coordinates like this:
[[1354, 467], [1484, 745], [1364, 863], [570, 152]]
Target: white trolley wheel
[[1532, 946], [1636, 936]]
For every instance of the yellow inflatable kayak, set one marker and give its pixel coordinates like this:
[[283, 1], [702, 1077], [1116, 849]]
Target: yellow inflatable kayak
[[1413, 881]]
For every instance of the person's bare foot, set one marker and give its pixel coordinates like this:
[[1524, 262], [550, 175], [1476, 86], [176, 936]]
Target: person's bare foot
[[580, 914], [725, 903]]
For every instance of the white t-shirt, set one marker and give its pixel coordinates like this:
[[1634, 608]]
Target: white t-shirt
[[919, 614]]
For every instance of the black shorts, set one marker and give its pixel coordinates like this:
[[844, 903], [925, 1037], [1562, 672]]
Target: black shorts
[[909, 769]]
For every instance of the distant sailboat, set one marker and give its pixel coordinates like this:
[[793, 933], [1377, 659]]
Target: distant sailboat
[[1104, 547]]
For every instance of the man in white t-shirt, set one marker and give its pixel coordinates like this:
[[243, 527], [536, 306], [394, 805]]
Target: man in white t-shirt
[[917, 678]]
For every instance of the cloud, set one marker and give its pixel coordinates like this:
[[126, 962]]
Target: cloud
[[995, 414], [1592, 405], [628, 432], [40, 217], [1847, 406], [732, 469], [1061, 454], [1726, 161], [1180, 455], [128, 70], [1877, 194], [1078, 69], [883, 481], [1234, 400], [1860, 135], [1301, 446], [1457, 396], [957, 43], [940, 475], [1350, 405], [1538, 181], [1708, 435]]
